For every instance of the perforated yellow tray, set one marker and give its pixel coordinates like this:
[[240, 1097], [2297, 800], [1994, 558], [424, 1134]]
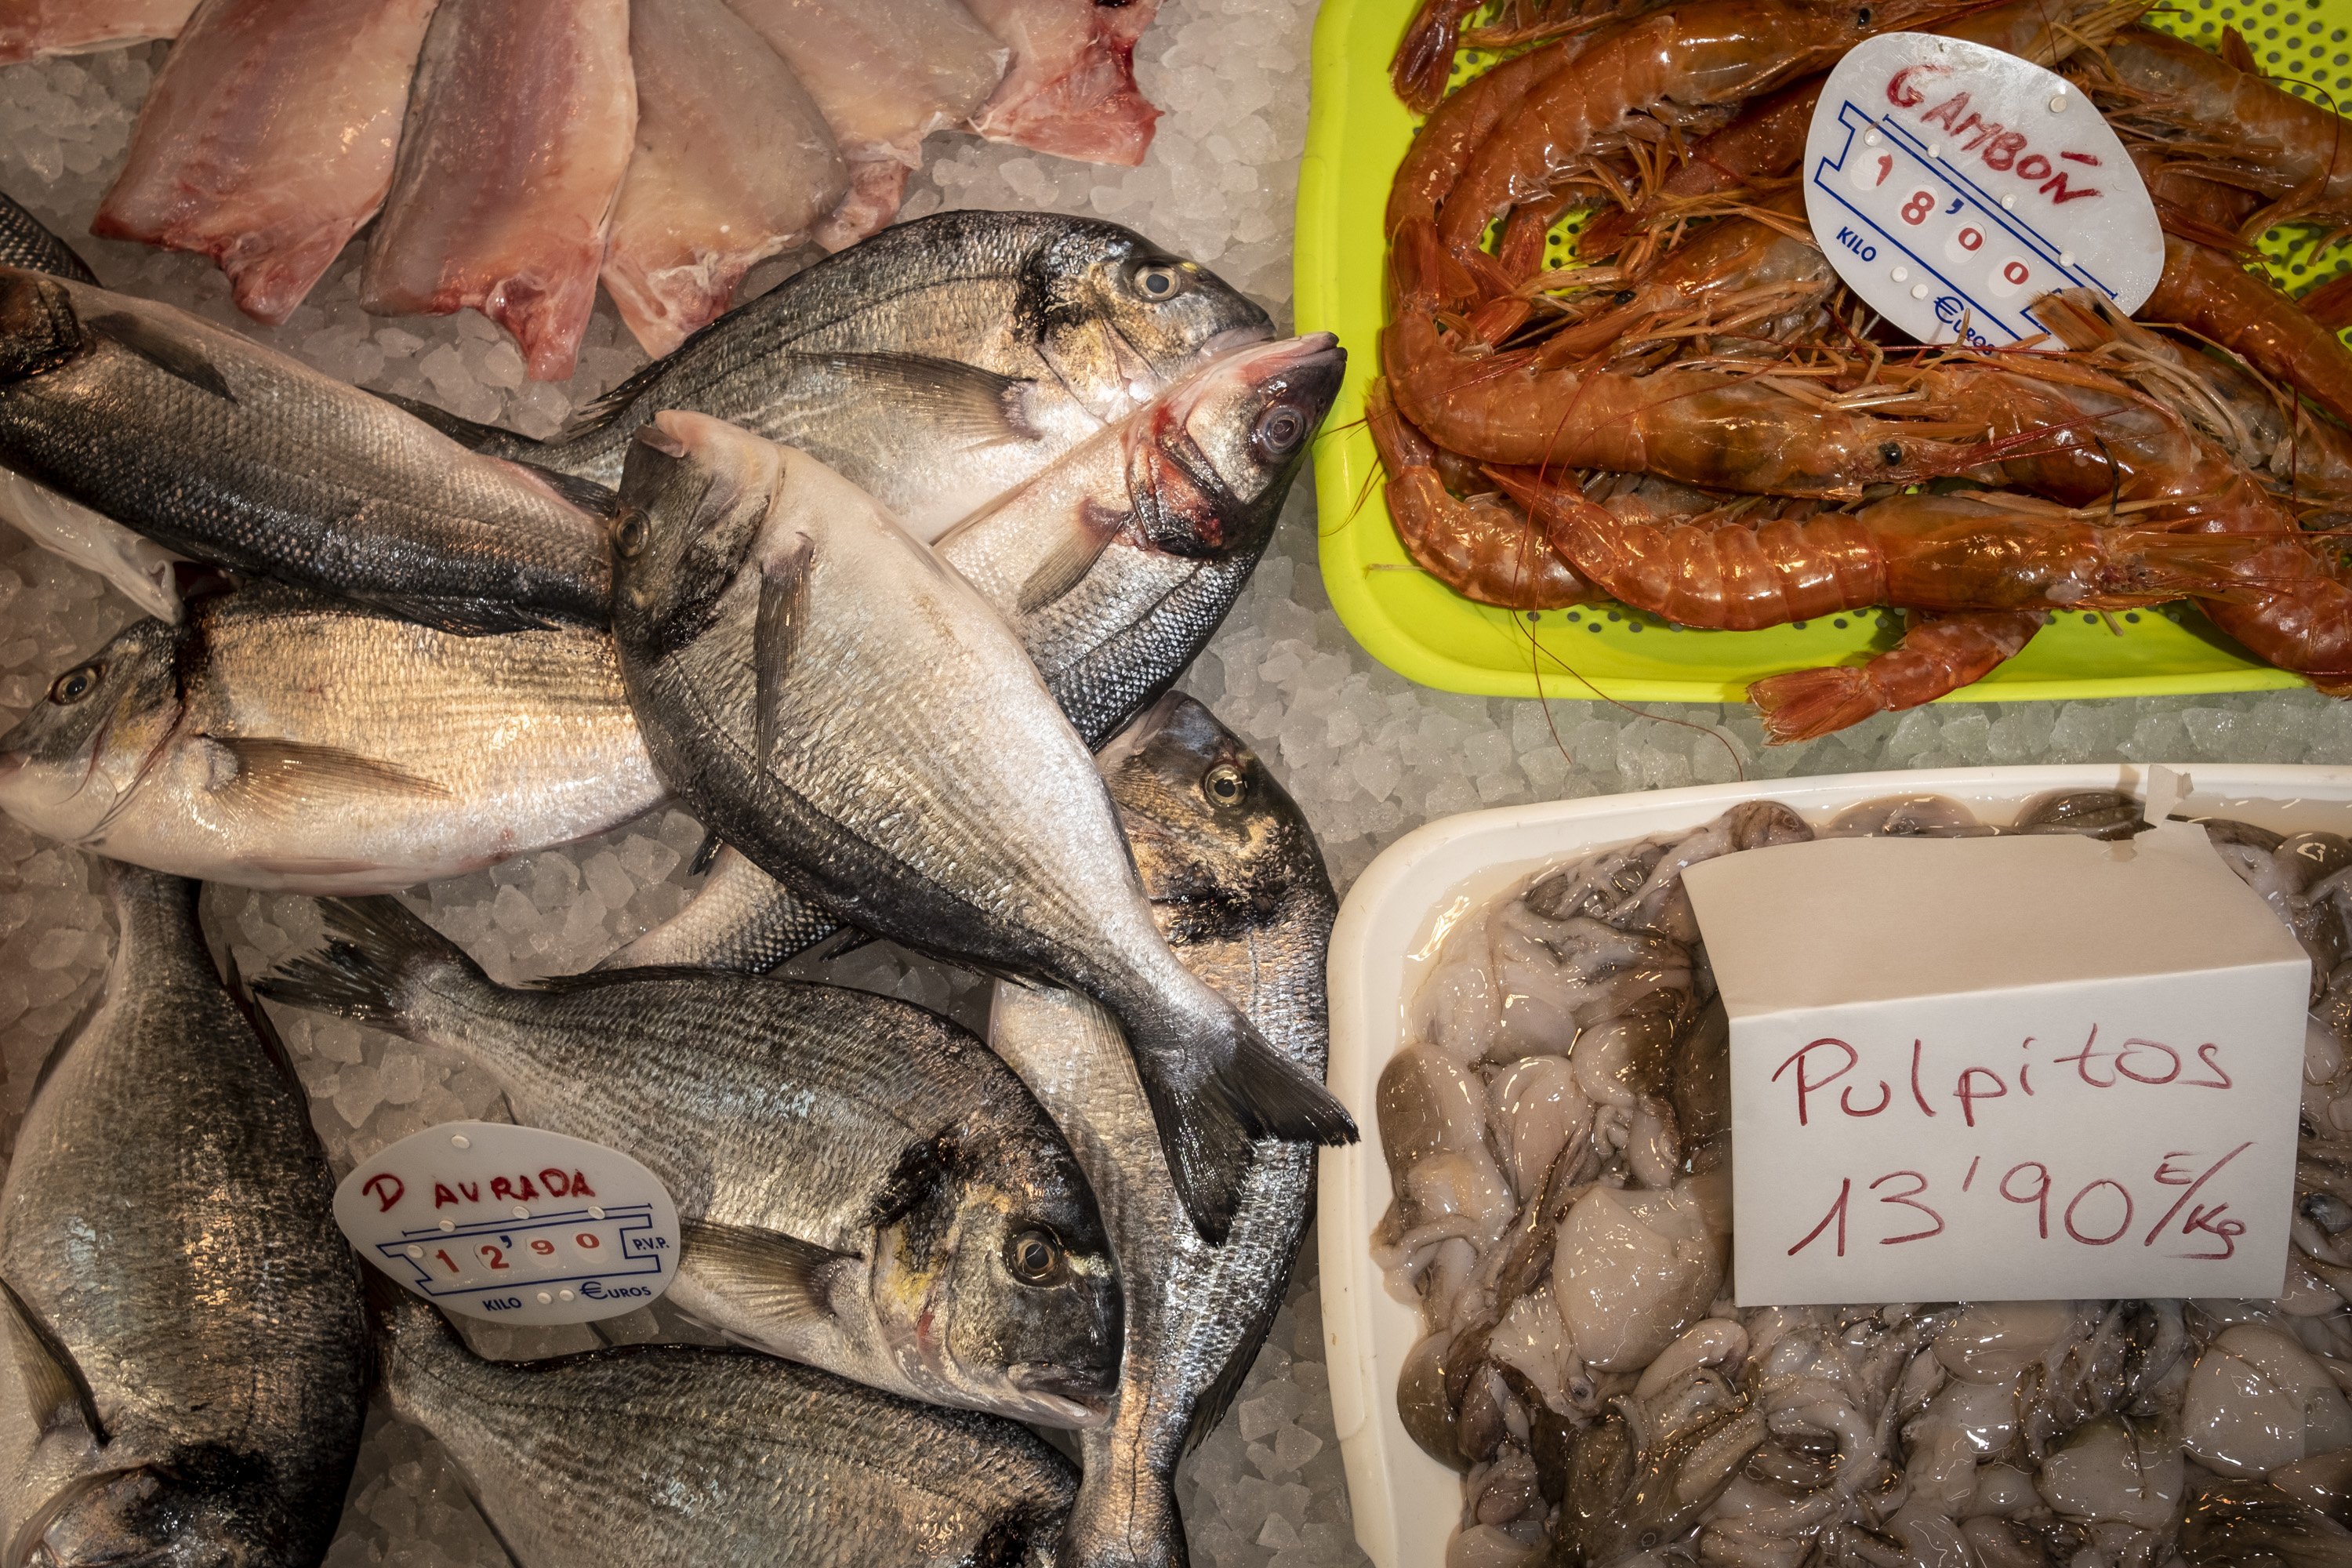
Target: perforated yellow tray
[[1357, 135]]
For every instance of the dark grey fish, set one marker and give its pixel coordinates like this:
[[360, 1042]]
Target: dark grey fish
[[218, 447], [685, 1456], [856, 720], [1237, 883], [937, 365], [1114, 567], [25, 241], [183, 1349], [865, 1187]]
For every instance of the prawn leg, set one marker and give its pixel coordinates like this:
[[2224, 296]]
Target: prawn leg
[[1939, 654]]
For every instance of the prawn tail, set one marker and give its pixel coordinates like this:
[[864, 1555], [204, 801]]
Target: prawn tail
[[1806, 704], [1938, 655], [1424, 274], [1424, 56]]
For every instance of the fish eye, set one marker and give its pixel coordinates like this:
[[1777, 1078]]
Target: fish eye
[[1890, 453], [1225, 785], [1279, 430], [629, 533], [1157, 282], [1034, 1257], [1862, 18], [76, 684]]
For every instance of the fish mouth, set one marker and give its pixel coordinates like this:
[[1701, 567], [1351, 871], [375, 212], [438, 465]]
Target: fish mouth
[[1060, 1395]]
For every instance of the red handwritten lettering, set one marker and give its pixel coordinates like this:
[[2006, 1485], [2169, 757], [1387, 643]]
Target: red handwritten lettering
[[2059, 192], [1902, 94], [1909, 1200], [2122, 1225], [1808, 1086], [1886, 1097], [385, 1188], [557, 1184], [1837, 1213], [1916, 1094], [1969, 1092]]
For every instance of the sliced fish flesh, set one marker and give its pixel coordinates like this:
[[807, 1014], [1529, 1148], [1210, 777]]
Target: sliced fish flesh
[[1071, 88], [31, 28]]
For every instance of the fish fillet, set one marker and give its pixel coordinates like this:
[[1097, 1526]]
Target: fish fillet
[[31, 28], [734, 162], [1072, 89], [518, 133], [886, 73], [269, 140]]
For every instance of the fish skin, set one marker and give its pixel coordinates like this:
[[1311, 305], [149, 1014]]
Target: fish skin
[[685, 1456], [166, 1224], [937, 364], [251, 460], [140, 568], [1071, 90], [286, 741], [836, 704], [519, 128], [872, 1133], [733, 163], [30, 29], [267, 140], [25, 241], [1242, 892], [741, 919]]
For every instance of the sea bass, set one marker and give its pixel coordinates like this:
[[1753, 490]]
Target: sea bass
[[1237, 883], [1114, 567], [248, 458], [937, 364], [31, 28], [682, 1457], [518, 131], [1071, 90], [25, 241], [865, 1187], [734, 164], [832, 701], [267, 140], [285, 740], [183, 1352]]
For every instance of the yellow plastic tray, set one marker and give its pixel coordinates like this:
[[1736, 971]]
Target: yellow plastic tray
[[1358, 132]]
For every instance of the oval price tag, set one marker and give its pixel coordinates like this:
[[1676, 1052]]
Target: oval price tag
[[1952, 186], [513, 1224]]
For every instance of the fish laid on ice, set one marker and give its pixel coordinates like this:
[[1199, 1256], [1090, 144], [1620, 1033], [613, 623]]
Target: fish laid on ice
[[31, 28], [683, 1457], [139, 567], [520, 129], [1071, 88], [25, 241], [249, 459], [282, 740], [1238, 885], [864, 1186], [733, 164], [832, 701], [182, 1349], [267, 140], [886, 73], [1113, 567], [937, 364]]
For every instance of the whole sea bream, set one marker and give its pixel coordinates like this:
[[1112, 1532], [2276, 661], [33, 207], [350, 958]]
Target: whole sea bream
[[1238, 885], [848, 713], [182, 1355], [936, 366], [865, 1187], [681, 1456], [283, 740], [248, 458]]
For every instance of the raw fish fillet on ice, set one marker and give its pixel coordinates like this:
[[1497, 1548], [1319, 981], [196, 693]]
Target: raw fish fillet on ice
[[518, 132], [734, 162], [268, 139], [1072, 89], [31, 28], [886, 73]]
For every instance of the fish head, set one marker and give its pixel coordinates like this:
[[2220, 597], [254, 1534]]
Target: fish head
[[1118, 317], [200, 1508], [39, 329], [1219, 845], [694, 493], [71, 763], [1224, 445]]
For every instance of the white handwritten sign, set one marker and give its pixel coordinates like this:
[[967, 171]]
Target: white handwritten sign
[[513, 1224], [2005, 1068], [1952, 186]]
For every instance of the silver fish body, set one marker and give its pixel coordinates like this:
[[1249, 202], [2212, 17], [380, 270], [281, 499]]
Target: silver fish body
[[25, 241], [939, 363], [183, 1362], [683, 1457], [282, 740], [1239, 885], [865, 1187], [849, 713], [229, 452]]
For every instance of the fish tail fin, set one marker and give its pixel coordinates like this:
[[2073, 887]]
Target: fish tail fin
[[378, 956], [404, 1333]]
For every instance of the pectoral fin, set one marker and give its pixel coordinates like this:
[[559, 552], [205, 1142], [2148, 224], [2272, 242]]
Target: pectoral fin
[[275, 776], [779, 1278], [979, 406], [1085, 537], [161, 348], [55, 1388], [776, 637]]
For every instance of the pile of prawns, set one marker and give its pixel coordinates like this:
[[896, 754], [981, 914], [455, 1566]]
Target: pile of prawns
[[1698, 421]]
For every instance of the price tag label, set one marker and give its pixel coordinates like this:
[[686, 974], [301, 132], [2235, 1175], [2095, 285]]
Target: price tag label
[[513, 1224], [1952, 186], [2005, 1068]]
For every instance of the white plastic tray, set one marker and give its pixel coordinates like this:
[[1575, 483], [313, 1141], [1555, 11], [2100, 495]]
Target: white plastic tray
[[1405, 1503]]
